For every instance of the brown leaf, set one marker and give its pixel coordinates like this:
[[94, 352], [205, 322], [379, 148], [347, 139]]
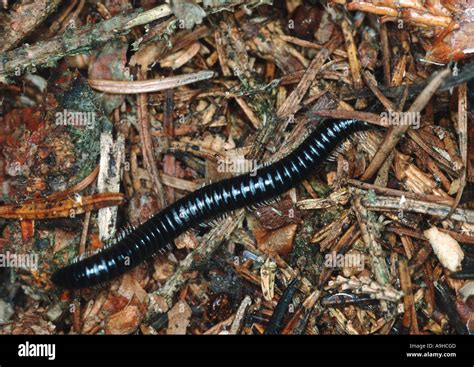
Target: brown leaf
[[124, 322], [279, 241], [164, 268], [178, 318], [279, 214]]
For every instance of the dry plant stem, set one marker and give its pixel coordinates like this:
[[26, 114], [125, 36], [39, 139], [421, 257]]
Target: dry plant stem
[[308, 44], [384, 100], [397, 132], [21, 23], [147, 86], [417, 138], [354, 62], [292, 101], [409, 319], [147, 148], [216, 329], [371, 118], [70, 19], [368, 235], [149, 16], [44, 209], [85, 230], [406, 194], [462, 128], [385, 53], [463, 238], [466, 73], [169, 161], [56, 25], [383, 203], [209, 244]]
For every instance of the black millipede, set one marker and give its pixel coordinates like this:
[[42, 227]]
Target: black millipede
[[156, 235]]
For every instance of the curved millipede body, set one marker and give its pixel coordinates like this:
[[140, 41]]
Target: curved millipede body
[[157, 234]]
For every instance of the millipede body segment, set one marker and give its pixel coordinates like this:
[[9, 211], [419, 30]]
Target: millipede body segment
[[157, 234]]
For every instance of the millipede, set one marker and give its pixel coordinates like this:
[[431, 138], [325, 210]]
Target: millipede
[[156, 235]]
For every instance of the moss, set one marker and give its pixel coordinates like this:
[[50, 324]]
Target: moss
[[327, 216], [86, 140], [371, 196], [320, 188]]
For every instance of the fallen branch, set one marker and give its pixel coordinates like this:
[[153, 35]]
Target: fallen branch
[[24, 21], [85, 39], [384, 203]]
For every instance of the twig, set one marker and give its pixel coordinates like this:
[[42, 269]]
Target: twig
[[61, 19], [85, 39], [149, 16], [406, 194], [419, 235], [366, 226], [216, 329], [369, 117], [382, 203], [368, 78], [209, 244], [462, 131], [239, 315], [44, 209], [465, 74], [291, 103], [385, 53], [147, 147], [397, 132], [352, 55], [409, 319], [24, 21], [169, 160]]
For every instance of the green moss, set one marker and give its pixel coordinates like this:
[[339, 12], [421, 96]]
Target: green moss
[[327, 216], [86, 140], [320, 188]]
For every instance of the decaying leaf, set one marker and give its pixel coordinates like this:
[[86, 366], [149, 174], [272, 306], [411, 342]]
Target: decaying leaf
[[178, 318], [123, 322], [279, 241]]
